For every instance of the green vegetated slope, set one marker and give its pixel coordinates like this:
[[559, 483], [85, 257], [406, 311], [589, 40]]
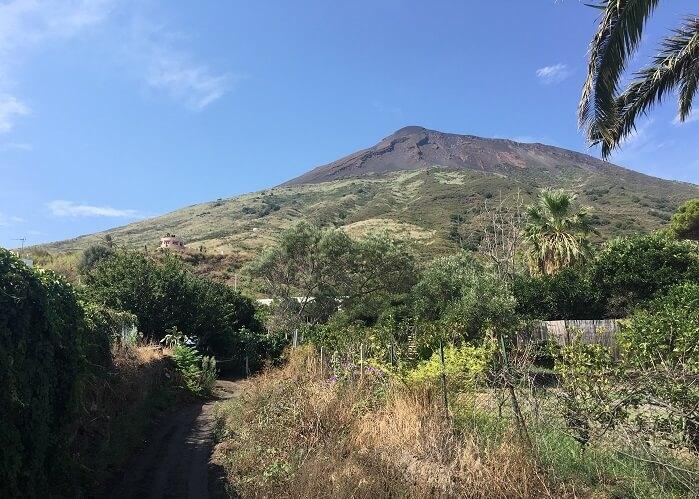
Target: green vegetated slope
[[397, 186]]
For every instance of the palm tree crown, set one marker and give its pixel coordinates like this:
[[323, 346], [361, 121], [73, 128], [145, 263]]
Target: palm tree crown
[[556, 236], [609, 115]]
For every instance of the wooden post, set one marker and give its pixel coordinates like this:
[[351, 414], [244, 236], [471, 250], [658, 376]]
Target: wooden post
[[322, 366], [247, 366], [296, 338], [361, 361], [444, 378], [521, 423]]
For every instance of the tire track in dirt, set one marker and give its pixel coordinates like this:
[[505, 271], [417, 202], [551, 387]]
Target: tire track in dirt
[[175, 459]]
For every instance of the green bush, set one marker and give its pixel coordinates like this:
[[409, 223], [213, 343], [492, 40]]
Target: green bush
[[660, 344], [567, 294], [166, 294], [198, 372], [460, 293], [685, 222], [48, 351], [631, 270], [464, 366]]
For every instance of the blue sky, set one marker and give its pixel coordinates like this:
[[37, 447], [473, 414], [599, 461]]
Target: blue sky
[[111, 111]]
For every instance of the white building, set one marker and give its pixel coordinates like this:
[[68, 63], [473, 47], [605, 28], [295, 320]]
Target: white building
[[171, 241]]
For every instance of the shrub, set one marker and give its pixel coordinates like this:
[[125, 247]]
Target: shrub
[[48, 351], [630, 270], [167, 294], [660, 344], [567, 294], [465, 297], [91, 256], [685, 222], [464, 366], [651, 388], [198, 372]]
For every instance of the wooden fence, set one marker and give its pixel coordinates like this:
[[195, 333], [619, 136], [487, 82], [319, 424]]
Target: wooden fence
[[602, 331]]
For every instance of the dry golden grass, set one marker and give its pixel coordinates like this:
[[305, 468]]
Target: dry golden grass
[[118, 406], [294, 434]]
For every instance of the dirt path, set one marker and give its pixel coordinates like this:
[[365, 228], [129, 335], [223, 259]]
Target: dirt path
[[174, 461]]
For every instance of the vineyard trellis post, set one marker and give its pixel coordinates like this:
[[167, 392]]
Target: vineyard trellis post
[[444, 378]]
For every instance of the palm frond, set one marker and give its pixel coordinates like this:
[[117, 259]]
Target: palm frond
[[617, 37], [676, 65]]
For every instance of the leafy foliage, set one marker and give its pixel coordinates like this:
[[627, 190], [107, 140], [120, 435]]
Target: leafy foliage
[[630, 270], [198, 372], [165, 295], [661, 342], [685, 222], [464, 297], [650, 389], [556, 237], [311, 271], [92, 255], [609, 115], [50, 348], [567, 294], [464, 366]]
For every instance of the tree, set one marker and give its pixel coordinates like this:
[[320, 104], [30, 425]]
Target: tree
[[312, 270], [685, 222], [92, 255], [460, 293], [628, 271], [610, 115], [166, 294], [555, 236], [567, 294], [502, 234]]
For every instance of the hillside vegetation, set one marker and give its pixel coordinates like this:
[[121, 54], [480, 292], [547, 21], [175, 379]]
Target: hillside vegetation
[[432, 192]]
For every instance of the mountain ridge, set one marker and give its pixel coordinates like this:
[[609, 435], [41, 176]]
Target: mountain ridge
[[415, 147], [402, 185]]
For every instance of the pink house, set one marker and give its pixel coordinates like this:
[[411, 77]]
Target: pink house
[[171, 241]]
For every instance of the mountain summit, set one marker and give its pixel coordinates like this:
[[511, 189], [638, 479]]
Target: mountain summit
[[419, 184], [415, 148]]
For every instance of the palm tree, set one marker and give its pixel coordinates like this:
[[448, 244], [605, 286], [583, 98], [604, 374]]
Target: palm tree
[[555, 236], [609, 115]]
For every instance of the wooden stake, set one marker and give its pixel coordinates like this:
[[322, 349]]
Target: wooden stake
[[444, 378], [361, 361]]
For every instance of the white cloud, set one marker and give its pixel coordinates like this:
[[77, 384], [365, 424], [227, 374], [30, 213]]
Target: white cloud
[[8, 221], [16, 146], [640, 144], [60, 208], [693, 116], [157, 55], [24, 24], [10, 108], [553, 74], [27, 25], [195, 85]]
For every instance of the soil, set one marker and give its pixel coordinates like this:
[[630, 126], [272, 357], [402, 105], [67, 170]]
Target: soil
[[174, 461]]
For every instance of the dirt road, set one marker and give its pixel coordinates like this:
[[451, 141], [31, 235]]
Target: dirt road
[[174, 462]]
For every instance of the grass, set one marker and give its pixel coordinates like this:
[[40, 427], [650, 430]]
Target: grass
[[296, 434], [414, 203], [119, 409]]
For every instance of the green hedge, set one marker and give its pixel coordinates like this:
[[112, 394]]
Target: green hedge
[[47, 351], [167, 294]]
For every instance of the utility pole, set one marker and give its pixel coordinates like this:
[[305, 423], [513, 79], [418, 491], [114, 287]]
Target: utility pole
[[21, 239]]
